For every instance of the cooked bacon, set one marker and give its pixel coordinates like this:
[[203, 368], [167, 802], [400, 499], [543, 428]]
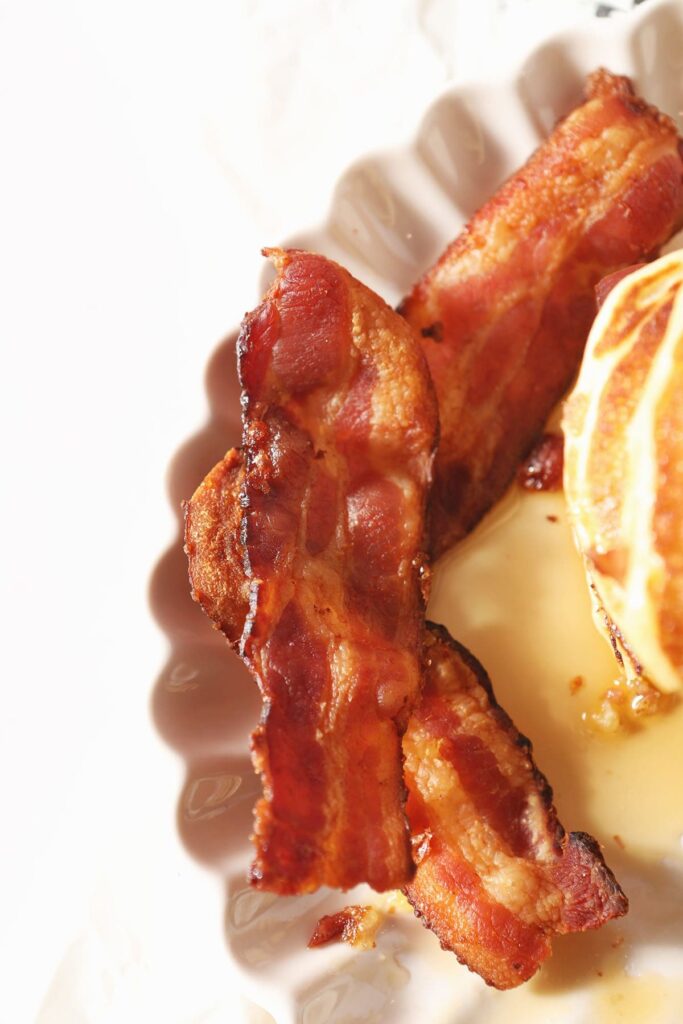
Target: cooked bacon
[[214, 548], [339, 432], [541, 470], [497, 875], [505, 312], [357, 925]]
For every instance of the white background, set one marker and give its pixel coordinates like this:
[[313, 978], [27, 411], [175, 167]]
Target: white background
[[149, 149]]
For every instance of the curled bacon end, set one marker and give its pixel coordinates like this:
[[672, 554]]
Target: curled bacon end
[[505, 312], [357, 925], [214, 549], [339, 432], [497, 875]]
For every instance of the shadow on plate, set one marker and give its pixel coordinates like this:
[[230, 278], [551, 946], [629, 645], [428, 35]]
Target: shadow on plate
[[204, 704]]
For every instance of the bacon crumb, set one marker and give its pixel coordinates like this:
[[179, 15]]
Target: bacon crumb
[[357, 925], [575, 684], [542, 468], [626, 704]]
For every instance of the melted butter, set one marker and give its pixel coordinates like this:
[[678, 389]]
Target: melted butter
[[623, 1001], [643, 999], [516, 595]]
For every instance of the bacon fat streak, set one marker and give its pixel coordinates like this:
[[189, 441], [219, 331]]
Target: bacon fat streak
[[505, 312], [339, 431]]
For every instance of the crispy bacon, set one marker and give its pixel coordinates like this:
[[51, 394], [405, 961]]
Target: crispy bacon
[[497, 875], [339, 431], [357, 925], [214, 549], [505, 312]]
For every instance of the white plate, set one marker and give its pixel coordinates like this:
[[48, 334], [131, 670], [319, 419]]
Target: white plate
[[391, 215]]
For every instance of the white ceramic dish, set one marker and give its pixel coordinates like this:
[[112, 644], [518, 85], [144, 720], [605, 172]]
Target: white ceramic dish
[[390, 216]]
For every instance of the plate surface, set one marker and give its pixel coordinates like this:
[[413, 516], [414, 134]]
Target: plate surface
[[514, 592]]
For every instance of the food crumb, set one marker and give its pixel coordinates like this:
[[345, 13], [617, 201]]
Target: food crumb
[[619, 841], [551, 519], [626, 704], [575, 684], [542, 468], [357, 925], [619, 941]]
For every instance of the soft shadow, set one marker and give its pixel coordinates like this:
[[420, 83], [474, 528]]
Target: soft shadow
[[461, 152], [376, 216], [550, 85], [657, 52], [204, 703]]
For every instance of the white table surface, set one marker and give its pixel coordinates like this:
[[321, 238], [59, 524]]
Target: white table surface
[[149, 150]]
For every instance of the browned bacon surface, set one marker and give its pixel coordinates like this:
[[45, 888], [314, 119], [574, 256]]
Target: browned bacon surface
[[339, 431], [505, 312], [214, 548], [497, 875], [356, 925]]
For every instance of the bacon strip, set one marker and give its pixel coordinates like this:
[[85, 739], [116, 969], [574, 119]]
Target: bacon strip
[[505, 312], [339, 432], [497, 875]]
